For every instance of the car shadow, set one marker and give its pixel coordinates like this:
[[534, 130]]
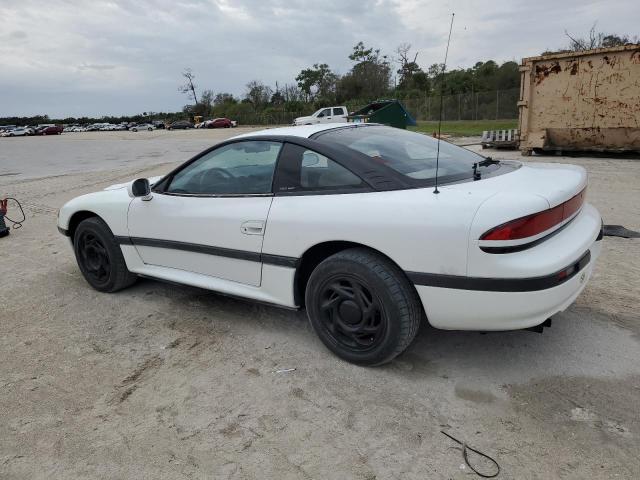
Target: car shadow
[[578, 342]]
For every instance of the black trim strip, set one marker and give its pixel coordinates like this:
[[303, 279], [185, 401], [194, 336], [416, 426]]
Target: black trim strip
[[425, 279], [269, 259], [280, 260], [531, 284], [63, 231]]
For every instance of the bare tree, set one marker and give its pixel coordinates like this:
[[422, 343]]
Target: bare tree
[[597, 40], [403, 55], [580, 44], [189, 88]]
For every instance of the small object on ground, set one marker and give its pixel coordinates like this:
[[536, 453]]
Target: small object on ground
[[619, 231], [4, 230], [465, 448], [285, 370], [500, 138]]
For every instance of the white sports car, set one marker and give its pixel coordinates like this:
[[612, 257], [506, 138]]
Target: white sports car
[[346, 220]]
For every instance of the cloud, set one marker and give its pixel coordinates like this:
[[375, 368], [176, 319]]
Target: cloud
[[119, 57], [18, 35], [91, 66]]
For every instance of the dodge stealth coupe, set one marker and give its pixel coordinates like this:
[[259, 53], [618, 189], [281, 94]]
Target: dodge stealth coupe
[[346, 221]]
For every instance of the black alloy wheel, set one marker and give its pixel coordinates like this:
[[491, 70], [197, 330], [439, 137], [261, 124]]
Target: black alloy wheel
[[99, 256], [94, 257], [351, 314], [362, 306]]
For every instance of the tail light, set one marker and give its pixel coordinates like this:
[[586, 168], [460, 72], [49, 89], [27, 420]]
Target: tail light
[[534, 224]]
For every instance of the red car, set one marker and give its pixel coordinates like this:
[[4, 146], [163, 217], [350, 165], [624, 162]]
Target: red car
[[53, 130], [220, 123]]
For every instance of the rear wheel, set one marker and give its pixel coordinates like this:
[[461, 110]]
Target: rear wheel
[[99, 257], [362, 307]]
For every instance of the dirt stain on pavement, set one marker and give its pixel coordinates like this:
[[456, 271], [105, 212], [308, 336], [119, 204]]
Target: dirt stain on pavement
[[477, 396]]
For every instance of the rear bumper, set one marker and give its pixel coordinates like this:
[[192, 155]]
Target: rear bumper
[[504, 307]]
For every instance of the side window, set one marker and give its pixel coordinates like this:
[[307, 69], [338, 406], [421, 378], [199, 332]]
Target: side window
[[325, 113], [302, 169], [338, 111], [237, 168]]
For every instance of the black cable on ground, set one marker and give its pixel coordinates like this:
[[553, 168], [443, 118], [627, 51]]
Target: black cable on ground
[[619, 231], [16, 223], [465, 447]]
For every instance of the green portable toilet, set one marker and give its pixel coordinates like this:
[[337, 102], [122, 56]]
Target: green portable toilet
[[387, 112]]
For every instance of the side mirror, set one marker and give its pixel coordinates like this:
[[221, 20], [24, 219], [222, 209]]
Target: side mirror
[[140, 188]]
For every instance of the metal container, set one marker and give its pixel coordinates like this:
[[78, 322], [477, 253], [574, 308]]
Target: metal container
[[581, 101], [387, 112]]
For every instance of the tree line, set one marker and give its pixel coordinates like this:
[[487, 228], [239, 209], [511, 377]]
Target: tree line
[[373, 75]]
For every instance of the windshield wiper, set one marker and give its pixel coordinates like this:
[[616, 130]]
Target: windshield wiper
[[483, 163]]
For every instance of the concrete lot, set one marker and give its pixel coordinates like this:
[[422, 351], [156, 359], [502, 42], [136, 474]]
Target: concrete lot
[[161, 381]]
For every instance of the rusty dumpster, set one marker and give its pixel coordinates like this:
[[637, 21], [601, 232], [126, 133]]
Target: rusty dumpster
[[581, 101]]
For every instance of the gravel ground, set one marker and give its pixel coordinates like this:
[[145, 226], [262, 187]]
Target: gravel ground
[[162, 381]]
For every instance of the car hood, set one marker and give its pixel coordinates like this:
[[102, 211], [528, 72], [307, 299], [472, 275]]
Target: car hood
[[118, 186], [303, 119]]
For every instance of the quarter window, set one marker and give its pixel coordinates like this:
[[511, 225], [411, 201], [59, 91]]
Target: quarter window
[[302, 169], [237, 168], [338, 111]]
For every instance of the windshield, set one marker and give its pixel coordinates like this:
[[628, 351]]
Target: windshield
[[409, 153]]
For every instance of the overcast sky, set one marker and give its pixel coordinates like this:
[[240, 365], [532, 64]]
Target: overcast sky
[[72, 58]]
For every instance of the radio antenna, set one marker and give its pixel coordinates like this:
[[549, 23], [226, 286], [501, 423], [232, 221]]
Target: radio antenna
[[444, 67]]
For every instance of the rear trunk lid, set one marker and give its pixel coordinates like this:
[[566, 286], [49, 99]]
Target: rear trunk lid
[[555, 183]]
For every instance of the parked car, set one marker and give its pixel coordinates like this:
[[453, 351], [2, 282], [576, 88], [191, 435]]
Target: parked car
[[51, 130], [16, 132], [345, 221], [180, 125], [143, 126], [158, 124], [219, 123], [324, 115]]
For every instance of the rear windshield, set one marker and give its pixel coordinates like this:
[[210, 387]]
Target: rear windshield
[[409, 153]]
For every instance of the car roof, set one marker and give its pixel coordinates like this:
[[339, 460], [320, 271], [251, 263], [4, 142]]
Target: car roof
[[304, 131]]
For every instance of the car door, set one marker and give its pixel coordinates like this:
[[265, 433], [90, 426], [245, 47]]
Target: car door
[[339, 115], [324, 116], [209, 217]]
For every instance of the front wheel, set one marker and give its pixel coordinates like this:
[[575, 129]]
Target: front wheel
[[99, 257], [362, 307]]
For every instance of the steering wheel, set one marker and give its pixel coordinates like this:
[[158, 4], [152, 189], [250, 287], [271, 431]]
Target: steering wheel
[[213, 175]]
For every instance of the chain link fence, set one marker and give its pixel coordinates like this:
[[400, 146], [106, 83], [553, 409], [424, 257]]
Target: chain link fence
[[271, 118], [496, 105]]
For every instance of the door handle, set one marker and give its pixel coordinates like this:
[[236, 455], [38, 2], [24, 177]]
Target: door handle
[[252, 227]]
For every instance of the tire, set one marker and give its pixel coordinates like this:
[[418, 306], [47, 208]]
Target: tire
[[134, 129], [99, 257], [354, 284], [150, 129]]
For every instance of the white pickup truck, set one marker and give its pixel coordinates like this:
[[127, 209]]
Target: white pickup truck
[[324, 115]]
